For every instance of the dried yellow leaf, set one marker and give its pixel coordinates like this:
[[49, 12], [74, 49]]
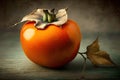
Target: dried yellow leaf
[[97, 56]]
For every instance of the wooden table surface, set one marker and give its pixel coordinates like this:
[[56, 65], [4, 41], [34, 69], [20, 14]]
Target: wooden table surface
[[14, 65]]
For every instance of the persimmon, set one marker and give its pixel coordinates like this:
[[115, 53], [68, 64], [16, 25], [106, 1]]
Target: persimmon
[[53, 46]]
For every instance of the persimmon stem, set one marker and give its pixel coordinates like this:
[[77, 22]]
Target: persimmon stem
[[84, 64], [45, 16], [49, 16]]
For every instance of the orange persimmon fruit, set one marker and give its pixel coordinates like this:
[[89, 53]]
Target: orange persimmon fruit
[[53, 46]]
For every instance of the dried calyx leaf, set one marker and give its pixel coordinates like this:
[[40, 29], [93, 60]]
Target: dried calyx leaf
[[97, 56], [44, 17]]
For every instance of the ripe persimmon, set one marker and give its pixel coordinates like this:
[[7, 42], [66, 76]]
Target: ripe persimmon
[[53, 46]]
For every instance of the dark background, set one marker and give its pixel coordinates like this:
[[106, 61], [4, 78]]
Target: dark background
[[95, 18]]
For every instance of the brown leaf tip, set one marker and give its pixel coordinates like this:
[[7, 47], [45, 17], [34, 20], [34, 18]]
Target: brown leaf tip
[[94, 47]]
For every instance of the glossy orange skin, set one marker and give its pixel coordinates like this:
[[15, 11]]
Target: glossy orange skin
[[52, 47]]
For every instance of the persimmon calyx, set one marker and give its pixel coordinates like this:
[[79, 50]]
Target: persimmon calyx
[[44, 17]]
